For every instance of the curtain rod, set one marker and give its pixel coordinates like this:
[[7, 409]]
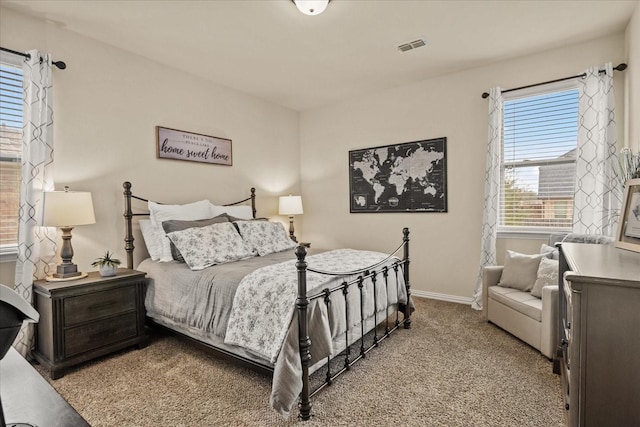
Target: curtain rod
[[619, 67], [60, 64]]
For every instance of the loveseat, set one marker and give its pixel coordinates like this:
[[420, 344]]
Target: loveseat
[[520, 312]]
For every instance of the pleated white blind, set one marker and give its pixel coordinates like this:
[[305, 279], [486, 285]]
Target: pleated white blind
[[11, 95], [538, 161]]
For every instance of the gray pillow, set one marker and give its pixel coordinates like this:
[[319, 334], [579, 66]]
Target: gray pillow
[[178, 225], [520, 271], [547, 275], [550, 251]]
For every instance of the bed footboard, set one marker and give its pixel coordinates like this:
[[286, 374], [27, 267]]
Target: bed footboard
[[378, 273]]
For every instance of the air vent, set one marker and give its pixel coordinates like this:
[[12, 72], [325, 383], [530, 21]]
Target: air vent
[[406, 47]]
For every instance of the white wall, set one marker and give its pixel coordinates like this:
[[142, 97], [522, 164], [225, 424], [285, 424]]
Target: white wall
[[445, 246], [632, 81], [106, 106]]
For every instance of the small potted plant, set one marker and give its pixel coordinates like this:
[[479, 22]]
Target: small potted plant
[[108, 266]]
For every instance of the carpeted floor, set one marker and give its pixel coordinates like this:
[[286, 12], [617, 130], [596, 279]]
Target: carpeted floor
[[450, 369]]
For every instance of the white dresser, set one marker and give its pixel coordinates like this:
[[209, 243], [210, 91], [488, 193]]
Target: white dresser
[[600, 335]]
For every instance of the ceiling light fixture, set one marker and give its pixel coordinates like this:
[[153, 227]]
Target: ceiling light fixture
[[311, 7]]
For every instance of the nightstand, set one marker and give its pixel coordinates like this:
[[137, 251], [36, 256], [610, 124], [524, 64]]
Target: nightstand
[[88, 318]]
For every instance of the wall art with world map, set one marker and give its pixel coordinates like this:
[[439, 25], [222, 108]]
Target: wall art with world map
[[407, 177]]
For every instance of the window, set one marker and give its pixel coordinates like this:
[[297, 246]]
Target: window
[[10, 150], [540, 133]]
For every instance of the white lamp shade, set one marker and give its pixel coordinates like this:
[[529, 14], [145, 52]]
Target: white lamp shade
[[68, 209], [290, 205], [311, 7]]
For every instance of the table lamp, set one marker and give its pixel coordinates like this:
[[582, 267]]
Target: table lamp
[[66, 209], [290, 205]]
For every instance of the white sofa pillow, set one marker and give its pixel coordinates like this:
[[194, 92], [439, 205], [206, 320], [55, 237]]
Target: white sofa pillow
[[188, 212], [547, 275], [520, 271], [550, 251]]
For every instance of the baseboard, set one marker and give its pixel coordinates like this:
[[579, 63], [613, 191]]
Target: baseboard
[[443, 297]]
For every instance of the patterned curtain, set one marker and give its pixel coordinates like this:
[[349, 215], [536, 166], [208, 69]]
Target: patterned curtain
[[36, 245], [597, 194], [491, 191]]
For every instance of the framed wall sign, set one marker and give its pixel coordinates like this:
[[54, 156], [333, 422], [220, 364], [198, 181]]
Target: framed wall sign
[[628, 236], [407, 177], [193, 147]]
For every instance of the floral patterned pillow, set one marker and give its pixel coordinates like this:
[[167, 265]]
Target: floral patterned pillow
[[202, 247], [265, 237]]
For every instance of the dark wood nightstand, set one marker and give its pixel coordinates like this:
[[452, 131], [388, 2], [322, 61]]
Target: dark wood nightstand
[[88, 318]]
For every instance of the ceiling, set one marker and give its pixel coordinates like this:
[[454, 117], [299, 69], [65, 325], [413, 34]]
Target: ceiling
[[268, 49]]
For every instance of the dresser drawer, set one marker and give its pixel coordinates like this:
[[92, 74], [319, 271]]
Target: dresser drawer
[[97, 305], [98, 334]]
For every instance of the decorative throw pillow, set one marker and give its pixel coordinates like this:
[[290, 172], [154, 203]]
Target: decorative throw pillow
[[265, 237], [178, 225], [520, 271], [550, 251], [159, 213], [202, 247], [151, 239], [547, 275]]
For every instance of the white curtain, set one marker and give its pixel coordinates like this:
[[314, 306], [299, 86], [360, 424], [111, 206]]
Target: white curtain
[[36, 244], [597, 194], [491, 191]]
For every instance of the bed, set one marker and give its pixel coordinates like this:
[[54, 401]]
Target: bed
[[235, 286]]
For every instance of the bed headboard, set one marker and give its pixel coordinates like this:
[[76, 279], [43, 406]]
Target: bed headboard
[[129, 214]]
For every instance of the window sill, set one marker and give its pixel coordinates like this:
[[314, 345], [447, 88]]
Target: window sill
[[530, 234], [8, 253]]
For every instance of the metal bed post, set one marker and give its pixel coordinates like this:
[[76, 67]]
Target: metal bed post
[[128, 215], [407, 308], [303, 333]]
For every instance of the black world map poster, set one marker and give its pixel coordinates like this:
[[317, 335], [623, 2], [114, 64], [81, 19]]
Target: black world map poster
[[407, 177]]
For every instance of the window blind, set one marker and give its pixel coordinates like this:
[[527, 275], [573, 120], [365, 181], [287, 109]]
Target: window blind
[[538, 161], [11, 122]]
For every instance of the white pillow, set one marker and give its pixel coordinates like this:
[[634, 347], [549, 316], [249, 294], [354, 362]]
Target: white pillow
[[550, 251], [240, 211], [265, 237], [203, 247], [520, 271], [160, 213], [151, 239], [547, 275]]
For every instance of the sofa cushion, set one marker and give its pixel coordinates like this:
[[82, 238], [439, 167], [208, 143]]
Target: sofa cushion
[[523, 302], [520, 270], [547, 275]]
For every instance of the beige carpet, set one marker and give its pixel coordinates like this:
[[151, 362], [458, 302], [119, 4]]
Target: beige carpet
[[450, 369]]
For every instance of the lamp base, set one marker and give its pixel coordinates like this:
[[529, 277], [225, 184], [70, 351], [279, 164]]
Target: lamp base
[[66, 270], [52, 278]]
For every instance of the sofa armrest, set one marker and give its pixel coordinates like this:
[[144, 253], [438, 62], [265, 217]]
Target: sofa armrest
[[549, 331], [490, 277]]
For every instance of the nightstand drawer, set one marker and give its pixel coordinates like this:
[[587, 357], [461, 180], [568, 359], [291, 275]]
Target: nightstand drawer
[[98, 334], [97, 305]]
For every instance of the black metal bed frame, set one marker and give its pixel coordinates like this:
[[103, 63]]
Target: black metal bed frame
[[400, 266]]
